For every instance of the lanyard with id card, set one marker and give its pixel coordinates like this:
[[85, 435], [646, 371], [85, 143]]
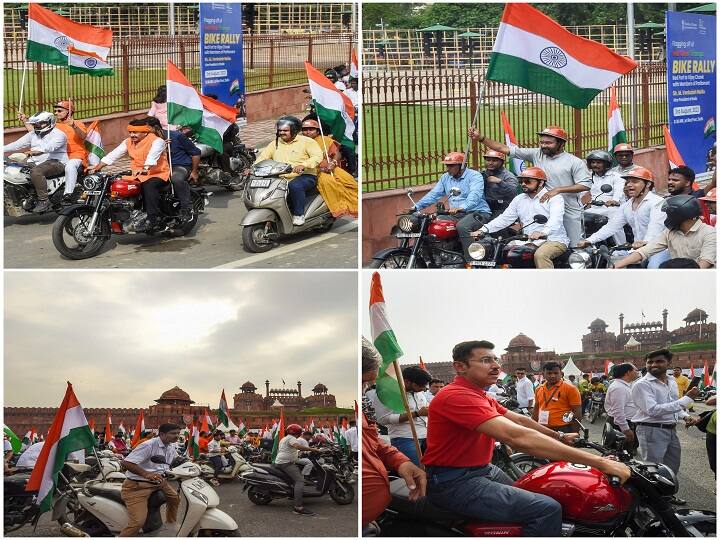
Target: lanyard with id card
[[543, 413]]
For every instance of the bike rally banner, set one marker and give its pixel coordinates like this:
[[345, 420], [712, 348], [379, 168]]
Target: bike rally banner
[[691, 62], [221, 52]]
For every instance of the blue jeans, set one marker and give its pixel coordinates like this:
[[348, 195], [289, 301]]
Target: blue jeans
[[297, 188], [487, 494], [656, 260], [407, 447]]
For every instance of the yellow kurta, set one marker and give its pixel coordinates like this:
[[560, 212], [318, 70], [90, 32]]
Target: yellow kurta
[[301, 150], [339, 189]]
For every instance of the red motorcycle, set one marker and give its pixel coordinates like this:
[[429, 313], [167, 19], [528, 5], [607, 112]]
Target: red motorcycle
[[113, 204], [592, 504]]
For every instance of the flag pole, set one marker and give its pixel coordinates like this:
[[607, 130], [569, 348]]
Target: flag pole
[[22, 86], [481, 97], [401, 383], [322, 136]]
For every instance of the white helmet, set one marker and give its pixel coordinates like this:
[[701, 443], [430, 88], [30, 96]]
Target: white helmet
[[43, 123]]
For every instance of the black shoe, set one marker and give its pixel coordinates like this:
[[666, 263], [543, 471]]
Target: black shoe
[[67, 199], [303, 511], [185, 215], [42, 206]]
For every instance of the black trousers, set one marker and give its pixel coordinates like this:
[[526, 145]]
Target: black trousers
[[711, 447], [179, 179], [151, 190]]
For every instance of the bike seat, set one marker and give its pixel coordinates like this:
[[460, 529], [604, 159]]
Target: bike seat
[[109, 493], [272, 469], [422, 509]]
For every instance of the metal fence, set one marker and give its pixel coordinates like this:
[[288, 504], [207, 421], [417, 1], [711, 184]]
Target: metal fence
[[139, 63], [392, 49], [411, 119]]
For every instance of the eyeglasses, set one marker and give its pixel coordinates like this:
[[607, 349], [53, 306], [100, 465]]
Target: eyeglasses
[[489, 360], [526, 180], [59, 110]]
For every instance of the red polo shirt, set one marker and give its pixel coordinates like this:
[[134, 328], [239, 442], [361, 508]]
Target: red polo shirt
[[454, 414]]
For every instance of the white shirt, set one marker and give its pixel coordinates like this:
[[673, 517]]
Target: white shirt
[[613, 179], [30, 456], [7, 446], [525, 392], [214, 448], [391, 420], [525, 208], [429, 396], [657, 402], [351, 436], [619, 403], [286, 453], [156, 150], [340, 86], [647, 220], [142, 453], [352, 94], [53, 146]]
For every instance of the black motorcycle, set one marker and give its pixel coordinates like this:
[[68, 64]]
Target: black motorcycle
[[19, 506], [210, 169], [268, 482]]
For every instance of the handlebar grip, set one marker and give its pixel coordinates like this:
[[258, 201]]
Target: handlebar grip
[[614, 481]]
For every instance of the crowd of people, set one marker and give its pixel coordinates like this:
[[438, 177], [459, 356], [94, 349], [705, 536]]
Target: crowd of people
[[676, 230], [449, 456]]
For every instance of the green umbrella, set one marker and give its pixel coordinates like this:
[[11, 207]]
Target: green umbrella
[[469, 34], [705, 8], [437, 28]]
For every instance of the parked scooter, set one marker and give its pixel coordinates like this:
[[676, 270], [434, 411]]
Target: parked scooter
[[267, 482], [236, 465], [18, 190], [269, 218], [97, 509]]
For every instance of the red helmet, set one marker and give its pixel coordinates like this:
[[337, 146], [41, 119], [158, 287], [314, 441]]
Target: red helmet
[[494, 154], [639, 172], [294, 429], [310, 124], [533, 172], [623, 147], [555, 131], [454, 158]]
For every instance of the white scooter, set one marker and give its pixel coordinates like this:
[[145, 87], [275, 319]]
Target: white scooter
[[108, 469], [236, 465], [97, 509]]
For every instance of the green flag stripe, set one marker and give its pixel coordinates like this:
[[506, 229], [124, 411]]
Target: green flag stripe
[[334, 119], [43, 53], [184, 116], [516, 71], [92, 72], [13, 438], [93, 149], [619, 137]]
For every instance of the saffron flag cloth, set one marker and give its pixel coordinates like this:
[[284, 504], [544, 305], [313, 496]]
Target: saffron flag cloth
[[673, 154], [387, 385], [207, 117], [332, 107], [608, 366], [535, 52], [279, 434], [68, 433], [94, 144], [354, 64], [88, 63], [223, 411], [515, 165], [422, 364], [139, 432], [616, 128], [50, 35], [108, 429]]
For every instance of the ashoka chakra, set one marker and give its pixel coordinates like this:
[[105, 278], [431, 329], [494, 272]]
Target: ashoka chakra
[[62, 43], [90, 62], [553, 57]]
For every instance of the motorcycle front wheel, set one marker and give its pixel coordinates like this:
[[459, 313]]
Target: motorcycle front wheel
[[72, 239], [342, 497], [253, 237], [396, 260]]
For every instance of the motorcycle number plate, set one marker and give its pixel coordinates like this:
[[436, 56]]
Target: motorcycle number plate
[[92, 192], [482, 263], [260, 183], [408, 235]]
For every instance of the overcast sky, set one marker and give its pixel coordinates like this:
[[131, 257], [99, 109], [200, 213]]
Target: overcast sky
[[432, 311], [122, 338]]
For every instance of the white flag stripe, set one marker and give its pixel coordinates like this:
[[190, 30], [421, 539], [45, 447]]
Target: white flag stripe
[[513, 41], [78, 60], [44, 35], [332, 100], [213, 121], [378, 320], [183, 95]]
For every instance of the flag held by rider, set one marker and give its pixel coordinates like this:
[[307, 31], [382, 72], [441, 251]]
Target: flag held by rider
[[535, 52], [332, 106]]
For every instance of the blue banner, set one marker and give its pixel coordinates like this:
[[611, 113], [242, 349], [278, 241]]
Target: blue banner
[[221, 52], [691, 60]]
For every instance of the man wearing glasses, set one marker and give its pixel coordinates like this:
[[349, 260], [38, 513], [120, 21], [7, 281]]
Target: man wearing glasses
[[463, 425]]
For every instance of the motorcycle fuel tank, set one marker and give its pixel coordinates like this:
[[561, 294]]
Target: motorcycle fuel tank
[[443, 229], [520, 256], [125, 188], [584, 493]]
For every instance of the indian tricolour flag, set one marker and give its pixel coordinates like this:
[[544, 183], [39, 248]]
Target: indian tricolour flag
[[279, 434], [242, 430], [332, 107], [223, 411], [193, 444], [68, 433], [616, 128], [94, 144], [354, 64], [50, 35], [207, 117], [88, 63], [15, 441], [673, 154], [535, 52], [515, 165], [108, 428], [139, 432], [383, 337]]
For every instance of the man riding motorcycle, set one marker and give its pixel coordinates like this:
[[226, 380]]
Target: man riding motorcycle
[[471, 198], [47, 151], [500, 184], [75, 131], [303, 153], [148, 163], [623, 153], [642, 211], [600, 164], [185, 158], [551, 236]]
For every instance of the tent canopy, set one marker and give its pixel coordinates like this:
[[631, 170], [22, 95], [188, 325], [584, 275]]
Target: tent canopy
[[571, 369]]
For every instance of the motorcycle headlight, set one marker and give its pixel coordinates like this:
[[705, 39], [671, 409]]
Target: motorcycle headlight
[[579, 259], [408, 223], [477, 251], [91, 182]]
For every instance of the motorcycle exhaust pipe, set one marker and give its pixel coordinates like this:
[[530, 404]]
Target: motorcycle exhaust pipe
[[68, 529]]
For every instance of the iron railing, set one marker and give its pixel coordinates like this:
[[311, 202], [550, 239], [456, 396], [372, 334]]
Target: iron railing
[[412, 118]]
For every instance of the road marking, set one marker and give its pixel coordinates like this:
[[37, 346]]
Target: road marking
[[258, 257]]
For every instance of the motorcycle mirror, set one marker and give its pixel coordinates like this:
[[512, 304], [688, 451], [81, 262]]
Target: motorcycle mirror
[[158, 459], [409, 192], [539, 218], [606, 188]]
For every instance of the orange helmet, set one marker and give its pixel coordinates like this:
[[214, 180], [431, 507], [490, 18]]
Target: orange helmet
[[533, 172], [66, 104], [495, 154], [454, 158], [310, 124], [623, 147], [294, 429], [710, 196], [639, 172], [555, 131]]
